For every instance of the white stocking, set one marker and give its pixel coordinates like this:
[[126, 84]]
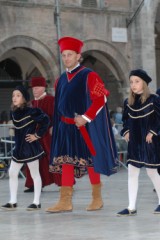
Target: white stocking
[[155, 178], [13, 180], [133, 176], [34, 170]]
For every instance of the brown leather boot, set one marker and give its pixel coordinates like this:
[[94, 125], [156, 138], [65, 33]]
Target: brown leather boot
[[97, 202], [65, 201]]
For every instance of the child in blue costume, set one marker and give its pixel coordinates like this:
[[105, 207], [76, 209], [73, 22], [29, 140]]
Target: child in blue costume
[[30, 125], [141, 128]]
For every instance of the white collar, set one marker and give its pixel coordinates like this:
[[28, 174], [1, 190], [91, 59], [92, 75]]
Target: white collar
[[44, 94], [73, 68]]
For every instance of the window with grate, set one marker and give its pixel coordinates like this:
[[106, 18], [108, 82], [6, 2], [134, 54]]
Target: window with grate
[[89, 3]]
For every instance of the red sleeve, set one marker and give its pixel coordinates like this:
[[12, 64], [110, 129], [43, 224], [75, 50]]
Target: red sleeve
[[46, 105], [97, 93]]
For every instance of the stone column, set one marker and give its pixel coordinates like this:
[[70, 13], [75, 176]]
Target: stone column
[[143, 40]]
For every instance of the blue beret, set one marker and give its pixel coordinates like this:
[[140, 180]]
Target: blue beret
[[24, 92], [142, 74]]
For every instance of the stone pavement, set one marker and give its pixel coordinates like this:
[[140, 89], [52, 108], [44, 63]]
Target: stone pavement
[[80, 224]]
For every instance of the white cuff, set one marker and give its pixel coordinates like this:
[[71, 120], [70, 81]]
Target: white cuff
[[86, 118]]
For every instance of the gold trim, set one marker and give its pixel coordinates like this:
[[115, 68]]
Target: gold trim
[[147, 164], [142, 115], [125, 132], [153, 132], [27, 158], [24, 125], [137, 110], [21, 119]]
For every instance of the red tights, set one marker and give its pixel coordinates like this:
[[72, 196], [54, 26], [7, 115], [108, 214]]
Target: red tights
[[68, 175]]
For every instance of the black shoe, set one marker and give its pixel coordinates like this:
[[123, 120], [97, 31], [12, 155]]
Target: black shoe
[[154, 190], [127, 212], [31, 189], [157, 210], [33, 207], [9, 206]]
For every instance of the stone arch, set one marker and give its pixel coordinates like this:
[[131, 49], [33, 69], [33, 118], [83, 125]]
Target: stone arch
[[40, 50], [116, 66], [150, 31], [143, 39], [111, 57]]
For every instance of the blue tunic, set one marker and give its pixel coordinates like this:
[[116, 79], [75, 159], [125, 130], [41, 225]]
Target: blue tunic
[[28, 121], [68, 146], [139, 120]]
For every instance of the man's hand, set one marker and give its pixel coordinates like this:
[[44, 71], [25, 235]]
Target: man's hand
[[79, 121]]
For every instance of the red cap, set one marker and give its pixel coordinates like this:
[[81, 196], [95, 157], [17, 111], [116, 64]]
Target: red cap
[[70, 43], [38, 82]]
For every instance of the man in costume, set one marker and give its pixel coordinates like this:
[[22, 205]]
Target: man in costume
[[82, 138], [45, 102]]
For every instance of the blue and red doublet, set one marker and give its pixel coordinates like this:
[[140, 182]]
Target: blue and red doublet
[[82, 92]]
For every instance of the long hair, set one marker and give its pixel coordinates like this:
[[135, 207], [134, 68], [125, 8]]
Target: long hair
[[146, 93]]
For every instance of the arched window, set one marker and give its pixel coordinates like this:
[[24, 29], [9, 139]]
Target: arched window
[[89, 3], [10, 69], [10, 73]]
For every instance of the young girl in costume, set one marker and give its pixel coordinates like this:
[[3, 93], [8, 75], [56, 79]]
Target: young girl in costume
[[30, 124], [141, 127]]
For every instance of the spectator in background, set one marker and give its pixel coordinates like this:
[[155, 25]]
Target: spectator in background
[[4, 117], [4, 132], [111, 114], [114, 129], [118, 115]]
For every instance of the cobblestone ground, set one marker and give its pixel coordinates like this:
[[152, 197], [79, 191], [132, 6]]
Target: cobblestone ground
[[80, 224]]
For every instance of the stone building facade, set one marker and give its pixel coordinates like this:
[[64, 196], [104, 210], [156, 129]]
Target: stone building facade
[[118, 36]]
